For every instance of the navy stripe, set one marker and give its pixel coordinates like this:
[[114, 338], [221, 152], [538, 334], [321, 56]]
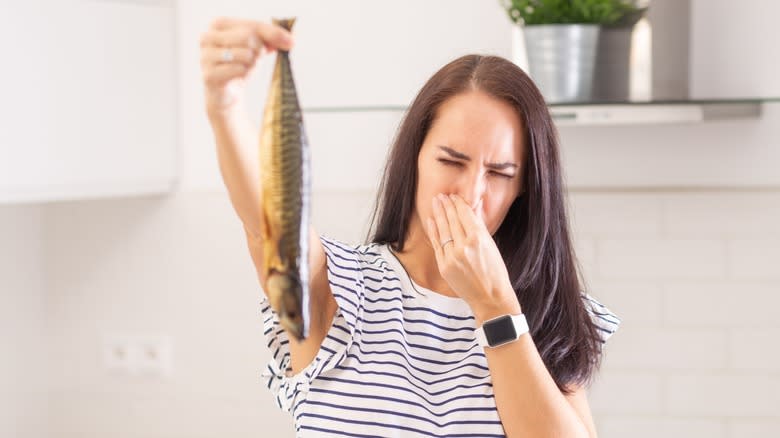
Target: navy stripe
[[400, 414], [394, 426], [346, 268], [335, 339], [343, 329], [405, 389], [420, 346], [339, 432], [410, 332], [443, 315], [344, 277], [398, 365], [381, 280], [437, 362], [604, 318], [345, 297], [605, 330], [389, 289], [432, 382], [420, 321]]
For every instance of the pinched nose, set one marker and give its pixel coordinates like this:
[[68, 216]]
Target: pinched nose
[[477, 208]]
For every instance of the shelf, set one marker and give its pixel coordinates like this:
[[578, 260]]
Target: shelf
[[620, 113], [643, 113]]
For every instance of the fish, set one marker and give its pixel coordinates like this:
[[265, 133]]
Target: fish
[[285, 174]]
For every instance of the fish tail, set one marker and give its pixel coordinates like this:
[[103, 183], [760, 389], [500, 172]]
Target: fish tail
[[285, 23]]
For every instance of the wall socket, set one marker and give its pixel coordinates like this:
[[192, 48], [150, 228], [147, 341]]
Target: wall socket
[[138, 355]]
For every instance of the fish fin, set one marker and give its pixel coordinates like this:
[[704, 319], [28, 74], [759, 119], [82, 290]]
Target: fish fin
[[265, 226], [285, 23]]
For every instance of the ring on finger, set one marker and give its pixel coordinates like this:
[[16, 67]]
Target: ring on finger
[[446, 242], [226, 55]]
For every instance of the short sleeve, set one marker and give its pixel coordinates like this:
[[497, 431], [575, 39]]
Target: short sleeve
[[347, 285], [605, 320]]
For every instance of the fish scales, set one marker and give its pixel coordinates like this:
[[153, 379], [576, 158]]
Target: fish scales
[[286, 186]]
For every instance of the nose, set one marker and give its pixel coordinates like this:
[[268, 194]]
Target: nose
[[472, 190]]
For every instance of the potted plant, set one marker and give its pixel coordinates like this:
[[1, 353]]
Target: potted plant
[[561, 40]]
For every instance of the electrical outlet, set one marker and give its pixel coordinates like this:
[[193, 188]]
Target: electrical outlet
[[138, 355], [116, 353], [153, 356]]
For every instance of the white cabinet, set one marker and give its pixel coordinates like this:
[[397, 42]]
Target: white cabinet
[[88, 99]]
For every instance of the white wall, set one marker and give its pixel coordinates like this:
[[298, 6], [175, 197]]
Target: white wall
[[24, 361]]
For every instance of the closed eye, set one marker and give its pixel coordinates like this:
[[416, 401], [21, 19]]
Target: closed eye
[[460, 164], [451, 163], [502, 175]]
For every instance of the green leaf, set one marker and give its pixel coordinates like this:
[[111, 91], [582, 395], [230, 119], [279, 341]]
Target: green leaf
[[532, 12]]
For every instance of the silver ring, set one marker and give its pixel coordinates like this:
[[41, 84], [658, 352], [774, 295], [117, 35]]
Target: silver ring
[[446, 242], [227, 55]]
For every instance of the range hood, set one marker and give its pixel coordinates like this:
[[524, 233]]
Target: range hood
[[643, 72]]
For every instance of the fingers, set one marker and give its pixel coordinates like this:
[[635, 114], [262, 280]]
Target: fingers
[[453, 221], [440, 220], [212, 56], [230, 49], [230, 32], [273, 36], [470, 222], [218, 75]]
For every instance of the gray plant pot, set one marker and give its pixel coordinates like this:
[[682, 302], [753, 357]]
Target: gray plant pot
[[562, 59]]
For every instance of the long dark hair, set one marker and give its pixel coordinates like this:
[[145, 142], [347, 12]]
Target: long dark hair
[[534, 236]]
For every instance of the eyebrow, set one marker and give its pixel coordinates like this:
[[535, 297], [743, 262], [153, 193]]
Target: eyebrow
[[460, 155]]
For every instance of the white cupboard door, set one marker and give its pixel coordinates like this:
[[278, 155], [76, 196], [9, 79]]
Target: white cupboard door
[[89, 105]]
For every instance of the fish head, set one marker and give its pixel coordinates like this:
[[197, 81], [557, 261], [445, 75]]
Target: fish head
[[285, 292]]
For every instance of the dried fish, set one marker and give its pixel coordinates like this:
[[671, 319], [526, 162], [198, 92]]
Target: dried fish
[[286, 187]]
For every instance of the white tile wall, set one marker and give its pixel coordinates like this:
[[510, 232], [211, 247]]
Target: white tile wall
[[694, 276]]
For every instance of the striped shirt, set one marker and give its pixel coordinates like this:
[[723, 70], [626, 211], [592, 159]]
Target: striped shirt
[[399, 360]]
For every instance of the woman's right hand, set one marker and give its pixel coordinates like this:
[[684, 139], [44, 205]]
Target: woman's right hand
[[229, 52]]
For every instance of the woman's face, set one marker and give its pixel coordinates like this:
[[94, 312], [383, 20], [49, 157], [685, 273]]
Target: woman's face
[[474, 149]]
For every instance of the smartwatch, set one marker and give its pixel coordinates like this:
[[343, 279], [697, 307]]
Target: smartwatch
[[501, 330]]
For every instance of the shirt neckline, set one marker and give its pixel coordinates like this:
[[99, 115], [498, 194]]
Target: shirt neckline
[[451, 305]]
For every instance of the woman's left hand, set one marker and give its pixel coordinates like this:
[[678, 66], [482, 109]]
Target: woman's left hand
[[470, 262]]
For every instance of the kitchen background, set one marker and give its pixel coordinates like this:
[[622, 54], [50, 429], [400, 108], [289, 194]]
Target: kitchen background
[[117, 233]]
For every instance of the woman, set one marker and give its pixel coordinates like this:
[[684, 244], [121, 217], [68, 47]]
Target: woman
[[464, 314]]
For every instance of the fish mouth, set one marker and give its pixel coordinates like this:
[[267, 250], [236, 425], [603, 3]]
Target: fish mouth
[[293, 326], [284, 291]]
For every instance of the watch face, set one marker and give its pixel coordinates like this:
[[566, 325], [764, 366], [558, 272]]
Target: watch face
[[500, 330]]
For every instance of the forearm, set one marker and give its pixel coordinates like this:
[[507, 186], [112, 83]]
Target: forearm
[[529, 402], [237, 151]]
